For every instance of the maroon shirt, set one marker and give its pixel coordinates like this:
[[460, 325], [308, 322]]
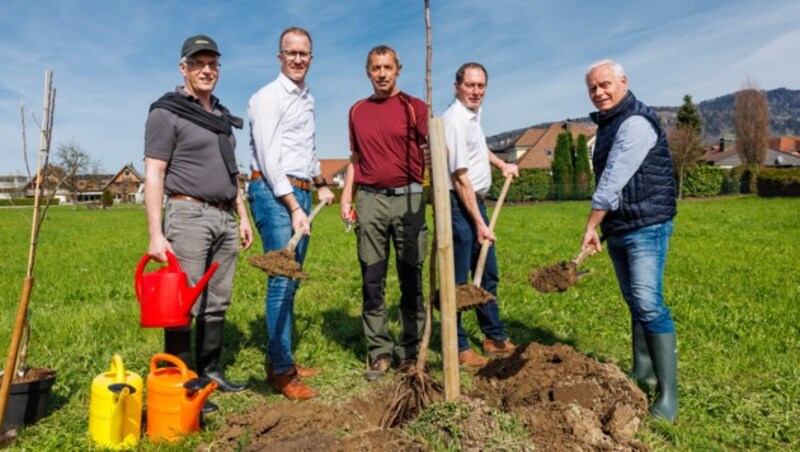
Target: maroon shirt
[[386, 134]]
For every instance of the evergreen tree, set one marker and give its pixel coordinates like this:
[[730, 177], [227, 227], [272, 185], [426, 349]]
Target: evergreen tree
[[562, 167], [689, 116], [584, 180]]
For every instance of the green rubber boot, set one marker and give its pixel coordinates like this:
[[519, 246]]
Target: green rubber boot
[[664, 352], [642, 372]]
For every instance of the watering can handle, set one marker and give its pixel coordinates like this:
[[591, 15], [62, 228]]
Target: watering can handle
[[139, 273], [118, 369], [174, 360], [299, 234]]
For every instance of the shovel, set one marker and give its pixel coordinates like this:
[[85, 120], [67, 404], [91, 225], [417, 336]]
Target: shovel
[[471, 295], [282, 263], [558, 277]]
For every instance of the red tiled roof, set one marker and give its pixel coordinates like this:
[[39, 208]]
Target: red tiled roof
[[537, 154], [784, 144], [329, 167]]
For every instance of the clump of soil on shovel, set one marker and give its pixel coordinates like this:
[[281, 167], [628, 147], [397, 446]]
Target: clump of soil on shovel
[[566, 401], [469, 296], [556, 278], [278, 263]]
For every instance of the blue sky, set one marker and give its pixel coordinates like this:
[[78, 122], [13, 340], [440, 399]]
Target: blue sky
[[113, 58]]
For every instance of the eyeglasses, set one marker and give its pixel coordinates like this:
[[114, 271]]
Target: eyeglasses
[[196, 65], [291, 55]]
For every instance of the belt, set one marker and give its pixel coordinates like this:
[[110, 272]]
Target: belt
[[302, 184], [224, 205], [393, 191]]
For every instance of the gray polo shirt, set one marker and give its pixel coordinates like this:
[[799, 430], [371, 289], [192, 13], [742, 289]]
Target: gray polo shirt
[[196, 167]]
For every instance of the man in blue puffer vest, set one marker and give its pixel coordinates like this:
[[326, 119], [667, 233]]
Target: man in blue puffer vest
[[634, 205]]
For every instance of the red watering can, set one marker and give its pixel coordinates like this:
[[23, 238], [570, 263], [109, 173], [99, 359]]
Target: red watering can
[[164, 296]]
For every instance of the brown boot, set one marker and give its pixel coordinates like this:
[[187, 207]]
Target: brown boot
[[498, 348], [471, 359], [292, 387]]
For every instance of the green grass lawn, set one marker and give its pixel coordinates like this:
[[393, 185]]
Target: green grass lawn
[[732, 283]]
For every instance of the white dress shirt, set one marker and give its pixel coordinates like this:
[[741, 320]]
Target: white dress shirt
[[466, 145], [282, 134]]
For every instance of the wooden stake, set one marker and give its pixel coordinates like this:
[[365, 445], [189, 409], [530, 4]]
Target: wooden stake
[[447, 279]]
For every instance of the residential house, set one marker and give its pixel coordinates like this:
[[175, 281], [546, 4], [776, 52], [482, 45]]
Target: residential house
[[540, 144], [12, 186], [126, 186], [334, 171], [781, 152]]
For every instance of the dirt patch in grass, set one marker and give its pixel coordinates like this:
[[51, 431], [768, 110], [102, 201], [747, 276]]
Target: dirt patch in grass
[[469, 296], [564, 399]]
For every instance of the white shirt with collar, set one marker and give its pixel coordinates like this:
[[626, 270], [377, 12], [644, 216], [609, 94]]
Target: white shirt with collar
[[466, 146], [282, 134]]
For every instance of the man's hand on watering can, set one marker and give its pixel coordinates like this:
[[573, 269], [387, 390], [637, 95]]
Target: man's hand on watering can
[[159, 245]]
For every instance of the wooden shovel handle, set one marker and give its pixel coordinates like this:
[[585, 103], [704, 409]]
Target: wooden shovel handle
[[582, 256], [476, 280], [299, 234]]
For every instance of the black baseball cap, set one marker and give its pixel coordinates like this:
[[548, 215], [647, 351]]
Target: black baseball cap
[[198, 43]]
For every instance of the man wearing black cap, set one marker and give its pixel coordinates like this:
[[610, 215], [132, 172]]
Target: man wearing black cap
[[189, 157]]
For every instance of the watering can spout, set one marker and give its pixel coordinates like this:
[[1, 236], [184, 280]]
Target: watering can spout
[[198, 390], [193, 292]]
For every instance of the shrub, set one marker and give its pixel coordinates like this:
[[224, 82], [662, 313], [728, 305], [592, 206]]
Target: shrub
[[532, 185], [107, 199], [743, 179], [703, 180], [26, 202], [779, 182]]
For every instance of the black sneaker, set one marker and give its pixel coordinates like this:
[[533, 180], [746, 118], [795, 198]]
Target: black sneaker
[[378, 367]]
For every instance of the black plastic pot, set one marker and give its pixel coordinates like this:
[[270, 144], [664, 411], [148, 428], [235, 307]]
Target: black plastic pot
[[27, 402]]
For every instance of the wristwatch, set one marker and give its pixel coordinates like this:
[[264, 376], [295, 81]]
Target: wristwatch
[[322, 183]]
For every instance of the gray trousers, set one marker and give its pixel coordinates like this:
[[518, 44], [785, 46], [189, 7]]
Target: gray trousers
[[201, 235]]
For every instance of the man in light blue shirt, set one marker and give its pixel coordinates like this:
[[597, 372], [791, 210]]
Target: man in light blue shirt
[[634, 204], [284, 163]]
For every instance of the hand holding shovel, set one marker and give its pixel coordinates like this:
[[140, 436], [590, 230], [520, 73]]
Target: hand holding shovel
[[472, 295], [283, 263]]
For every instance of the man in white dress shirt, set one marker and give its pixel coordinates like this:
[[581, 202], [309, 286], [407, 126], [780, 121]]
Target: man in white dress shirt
[[469, 161], [284, 164]]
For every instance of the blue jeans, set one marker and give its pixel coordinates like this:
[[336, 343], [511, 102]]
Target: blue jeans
[[274, 224], [639, 258], [465, 254]]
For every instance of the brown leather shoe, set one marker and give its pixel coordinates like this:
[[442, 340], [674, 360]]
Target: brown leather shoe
[[292, 387], [471, 359], [498, 348], [378, 367], [305, 372]]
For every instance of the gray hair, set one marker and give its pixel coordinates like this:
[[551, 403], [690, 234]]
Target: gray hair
[[619, 71]]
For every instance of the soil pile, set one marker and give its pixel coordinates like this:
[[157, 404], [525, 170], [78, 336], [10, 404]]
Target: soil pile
[[568, 401], [469, 296], [312, 426], [556, 278], [278, 263]]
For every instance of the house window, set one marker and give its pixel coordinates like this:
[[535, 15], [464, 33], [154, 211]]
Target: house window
[[548, 152], [127, 173]]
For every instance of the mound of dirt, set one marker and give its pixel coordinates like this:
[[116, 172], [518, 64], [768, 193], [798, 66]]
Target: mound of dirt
[[565, 399], [556, 278], [278, 263], [312, 426]]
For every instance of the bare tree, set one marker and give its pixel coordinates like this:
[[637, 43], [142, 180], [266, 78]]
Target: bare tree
[[77, 165], [751, 120], [686, 148]]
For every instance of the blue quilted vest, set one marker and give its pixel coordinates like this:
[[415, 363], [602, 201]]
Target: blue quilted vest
[[649, 197]]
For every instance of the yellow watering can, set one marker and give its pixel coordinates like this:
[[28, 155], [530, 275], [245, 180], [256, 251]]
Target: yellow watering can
[[115, 407]]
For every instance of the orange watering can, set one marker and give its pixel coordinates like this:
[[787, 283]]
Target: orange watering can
[[165, 297], [115, 407], [175, 397]]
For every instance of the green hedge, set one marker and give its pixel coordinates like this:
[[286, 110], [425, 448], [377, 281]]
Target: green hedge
[[532, 185], [779, 182], [703, 180], [741, 179], [25, 202]]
